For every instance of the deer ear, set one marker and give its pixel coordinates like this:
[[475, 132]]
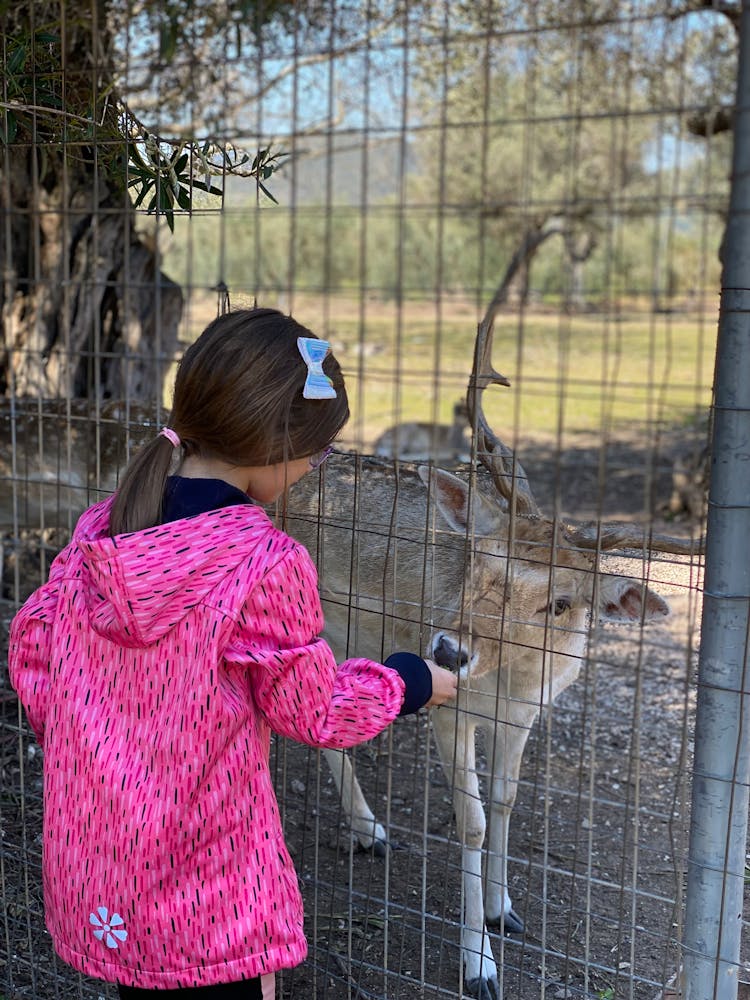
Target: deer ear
[[451, 495], [623, 600]]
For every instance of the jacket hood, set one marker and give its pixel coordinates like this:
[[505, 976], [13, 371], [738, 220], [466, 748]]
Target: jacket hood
[[140, 585]]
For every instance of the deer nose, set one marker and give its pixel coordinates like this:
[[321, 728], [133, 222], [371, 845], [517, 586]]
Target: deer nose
[[447, 652]]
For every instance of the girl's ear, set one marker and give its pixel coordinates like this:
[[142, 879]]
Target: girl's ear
[[463, 510]]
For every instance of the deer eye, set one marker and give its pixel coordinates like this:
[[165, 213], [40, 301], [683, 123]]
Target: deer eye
[[560, 606]]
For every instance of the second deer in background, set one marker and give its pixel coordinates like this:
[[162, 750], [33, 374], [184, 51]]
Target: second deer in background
[[418, 441]]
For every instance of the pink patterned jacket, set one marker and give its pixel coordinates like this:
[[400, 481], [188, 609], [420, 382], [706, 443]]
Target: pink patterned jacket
[[152, 667]]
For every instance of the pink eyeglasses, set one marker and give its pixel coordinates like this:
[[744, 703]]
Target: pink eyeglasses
[[319, 457]]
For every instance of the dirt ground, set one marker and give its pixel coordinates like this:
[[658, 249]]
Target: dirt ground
[[598, 842]]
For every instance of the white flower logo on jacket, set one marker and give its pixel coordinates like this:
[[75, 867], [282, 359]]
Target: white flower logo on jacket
[[108, 929]]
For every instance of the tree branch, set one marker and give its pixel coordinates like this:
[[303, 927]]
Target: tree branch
[[41, 109], [323, 56]]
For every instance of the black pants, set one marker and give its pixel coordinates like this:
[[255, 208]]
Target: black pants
[[247, 990]]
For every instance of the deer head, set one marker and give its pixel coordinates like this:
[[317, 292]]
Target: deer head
[[530, 589]]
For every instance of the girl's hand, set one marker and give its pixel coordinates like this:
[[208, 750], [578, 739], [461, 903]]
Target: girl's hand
[[444, 685]]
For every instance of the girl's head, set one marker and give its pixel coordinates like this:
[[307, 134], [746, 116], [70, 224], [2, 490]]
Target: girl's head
[[237, 399], [238, 392]]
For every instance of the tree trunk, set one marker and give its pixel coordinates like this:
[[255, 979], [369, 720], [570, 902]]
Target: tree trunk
[[86, 311], [518, 291], [579, 247]]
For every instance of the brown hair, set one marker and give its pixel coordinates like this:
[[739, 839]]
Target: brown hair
[[237, 397]]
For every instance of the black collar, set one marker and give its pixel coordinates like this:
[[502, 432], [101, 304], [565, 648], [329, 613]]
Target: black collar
[[185, 497]]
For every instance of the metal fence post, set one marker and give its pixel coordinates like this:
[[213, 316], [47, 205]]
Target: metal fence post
[[718, 830]]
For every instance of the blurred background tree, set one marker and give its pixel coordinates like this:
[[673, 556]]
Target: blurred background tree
[[111, 106], [454, 131], [567, 118]]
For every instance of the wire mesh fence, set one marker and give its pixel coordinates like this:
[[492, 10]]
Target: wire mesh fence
[[394, 175]]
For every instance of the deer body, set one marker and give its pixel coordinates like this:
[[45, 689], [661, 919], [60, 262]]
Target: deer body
[[62, 454], [417, 441], [417, 561]]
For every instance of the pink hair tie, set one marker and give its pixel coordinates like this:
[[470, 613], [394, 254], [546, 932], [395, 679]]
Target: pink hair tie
[[172, 436]]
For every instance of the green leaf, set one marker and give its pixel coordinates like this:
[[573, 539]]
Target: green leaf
[[45, 38], [168, 34], [48, 98], [9, 130], [166, 205], [147, 186], [17, 60], [206, 187], [181, 163], [140, 172], [183, 198], [267, 193], [135, 155]]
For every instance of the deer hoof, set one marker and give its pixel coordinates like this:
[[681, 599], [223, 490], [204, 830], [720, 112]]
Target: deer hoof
[[483, 989], [510, 923], [379, 848]]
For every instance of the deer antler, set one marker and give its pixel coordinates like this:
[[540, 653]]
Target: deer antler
[[508, 475], [618, 535], [500, 461]]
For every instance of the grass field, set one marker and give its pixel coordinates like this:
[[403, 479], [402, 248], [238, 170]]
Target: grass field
[[612, 374]]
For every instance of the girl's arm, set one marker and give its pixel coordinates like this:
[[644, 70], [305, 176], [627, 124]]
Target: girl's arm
[[297, 684], [30, 644]]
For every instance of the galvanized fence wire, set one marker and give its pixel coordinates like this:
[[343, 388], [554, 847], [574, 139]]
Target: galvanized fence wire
[[430, 146]]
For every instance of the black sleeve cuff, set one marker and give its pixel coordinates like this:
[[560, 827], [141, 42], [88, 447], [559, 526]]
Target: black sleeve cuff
[[416, 676]]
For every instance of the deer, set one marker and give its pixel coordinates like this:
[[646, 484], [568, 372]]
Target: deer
[[466, 568], [414, 441], [56, 457], [63, 453]]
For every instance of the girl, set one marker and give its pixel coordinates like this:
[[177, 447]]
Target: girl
[[176, 630]]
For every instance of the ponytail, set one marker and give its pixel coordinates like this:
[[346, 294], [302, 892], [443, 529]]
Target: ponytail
[[138, 501]]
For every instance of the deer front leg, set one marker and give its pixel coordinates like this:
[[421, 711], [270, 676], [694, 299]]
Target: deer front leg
[[368, 833], [454, 735], [505, 745]]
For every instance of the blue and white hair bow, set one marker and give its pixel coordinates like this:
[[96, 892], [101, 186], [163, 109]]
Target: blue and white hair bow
[[317, 383]]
